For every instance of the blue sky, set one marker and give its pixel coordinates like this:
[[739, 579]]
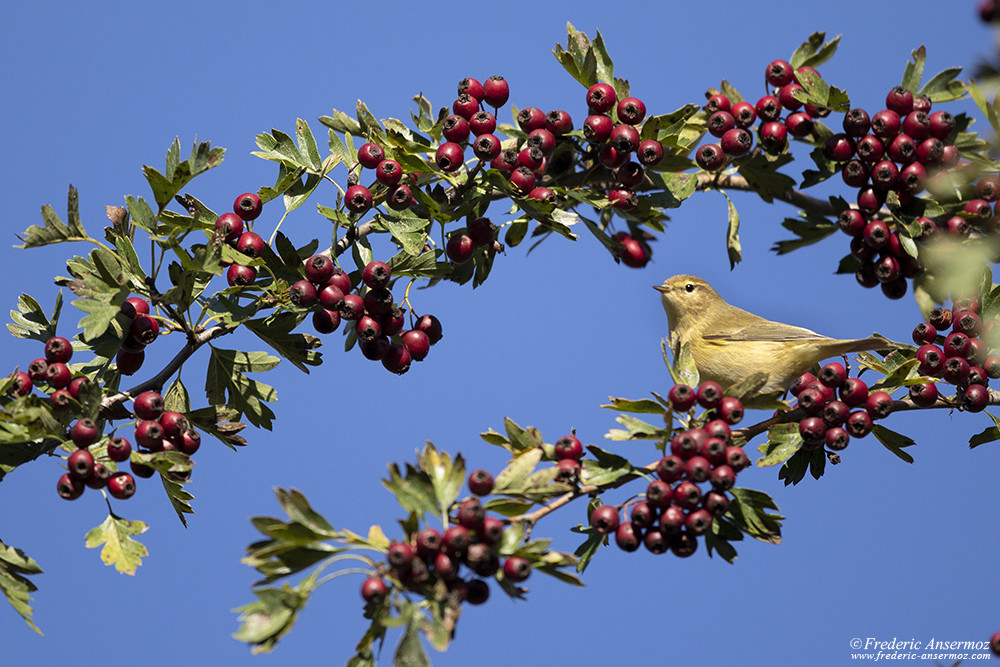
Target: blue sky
[[877, 548]]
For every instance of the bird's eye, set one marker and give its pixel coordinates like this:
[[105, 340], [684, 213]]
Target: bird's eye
[[689, 287]]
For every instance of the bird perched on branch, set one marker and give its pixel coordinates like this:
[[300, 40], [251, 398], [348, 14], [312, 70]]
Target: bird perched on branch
[[728, 344]]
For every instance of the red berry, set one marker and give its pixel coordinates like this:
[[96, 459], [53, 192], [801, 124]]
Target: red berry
[[681, 397], [495, 91], [924, 395], [650, 152], [942, 124], [465, 106], [773, 137], [418, 343], [878, 405], [569, 447], [81, 464], [248, 206], [631, 110], [709, 395], [698, 522], [148, 405], [121, 485], [481, 231], [627, 537], [70, 487], [623, 199], [530, 119], [899, 100], [486, 147], [799, 124], [779, 73], [388, 173], [373, 591], [480, 482], [119, 449], [523, 179], [319, 269], [886, 124], [720, 122], [174, 424], [460, 248], [604, 519], [58, 349], [397, 359], [471, 87], [237, 276], [787, 96], [58, 375], [376, 274], [768, 108], [625, 138], [838, 148], [230, 225], [737, 142], [250, 244], [744, 114], [974, 398], [710, 157], [731, 410], [303, 294], [558, 122], [75, 384], [718, 102], [597, 128], [358, 199], [601, 97], [455, 128], [431, 326], [149, 434], [129, 361], [326, 321], [369, 155], [84, 432]]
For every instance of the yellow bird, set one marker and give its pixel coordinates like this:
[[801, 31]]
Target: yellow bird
[[729, 344]]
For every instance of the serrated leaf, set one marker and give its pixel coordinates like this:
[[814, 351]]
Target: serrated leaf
[[30, 321], [178, 174], [264, 622], [914, 71], [276, 331], [446, 475], [55, 230], [299, 510], [513, 479], [893, 441], [414, 492], [17, 588], [783, 440], [749, 512], [522, 438], [119, 549], [643, 405]]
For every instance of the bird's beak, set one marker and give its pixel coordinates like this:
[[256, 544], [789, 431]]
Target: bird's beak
[[661, 288]]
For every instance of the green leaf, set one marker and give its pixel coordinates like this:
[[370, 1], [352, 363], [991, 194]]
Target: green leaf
[[55, 230], [522, 438], [307, 145], [894, 442], [810, 228], [276, 331], [14, 564], [410, 652], [414, 492], [176, 398], [821, 54], [733, 246], [643, 405], [178, 174], [300, 511], [446, 475], [280, 147], [119, 549], [795, 468], [605, 468], [635, 429], [942, 87], [988, 110], [783, 440], [264, 622], [225, 374], [763, 176], [914, 71], [407, 228], [341, 122], [514, 479], [749, 512], [29, 320]]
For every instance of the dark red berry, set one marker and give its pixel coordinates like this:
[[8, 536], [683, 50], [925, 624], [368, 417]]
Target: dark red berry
[[523, 180], [237, 276], [397, 359], [601, 97], [84, 432], [709, 395], [303, 294], [418, 343], [838, 148], [496, 91], [631, 110], [974, 398], [248, 206], [682, 398], [569, 447], [230, 225], [779, 73], [480, 482], [604, 519], [121, 485], [250, 244], [358, 199], [58, 375], [58, 350], [81, 464], [710, 157], [768, 108], [129, 361], [878, 405], [558, 122], [70, 487], [431, 326], [373, 591], [899, 100], [650, 152], [530, 119], [460, 248], [369, 155], [744, 114], [799, 124], [886, 124], [486, 147]]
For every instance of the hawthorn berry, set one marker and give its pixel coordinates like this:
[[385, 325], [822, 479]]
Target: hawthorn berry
[[418, 343], [230, 226], [768, 108], [623, 199], [148, 405], [604, 519], [69, 487], [121, 485], [878, 405], [84, 432], [682, 397], [737, 142], [388, 173], [75, 384], [119, 449], [709, 395], [558, 122], [58, 350], [369, 155], [899, 100], [455, 129], [477, 591], [523, 179], [656, 541], [625, 138], [631, 110], [974, 398], [799, 124], [397, 359], [250, 244], [627, 537], [837, 438], [237, 275], [58, 375], [779, 73], [358, 199], [601, 97], [744, 114], [81, 464], [303, 294], [460, 248], [480, 482], [597, 128], [698, 522], [486, 147], [642, 515], [248, 206], [374, 591], [672, 520], [496, 91], [141, 470], [129, 362], [530, 119], [569, 447], [431, 326], [650, 152], [465, 105], [773, 137], [718, 102], [710, 157]]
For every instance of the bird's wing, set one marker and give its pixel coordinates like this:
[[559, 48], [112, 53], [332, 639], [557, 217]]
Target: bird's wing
[[765, 330]]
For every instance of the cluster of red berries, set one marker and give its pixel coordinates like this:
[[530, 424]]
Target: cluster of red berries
[[398, 196], [246, 209], [157, 430], [470, 543], [678, 507], [143, 331], [732, 122], [52, 371], [960, 358], [378, 320], [837, 407]]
